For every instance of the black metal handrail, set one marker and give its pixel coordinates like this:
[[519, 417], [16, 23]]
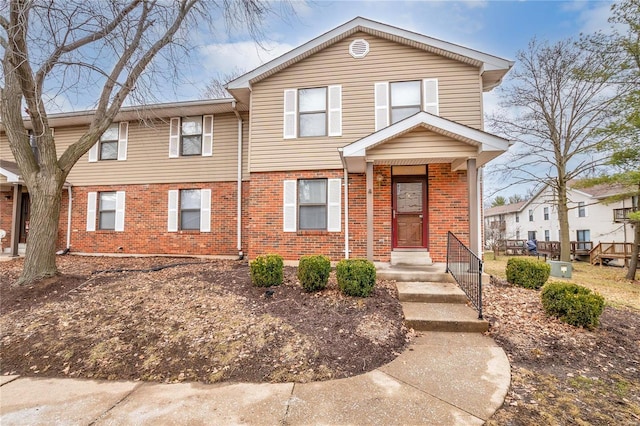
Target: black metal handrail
[[466, 269]]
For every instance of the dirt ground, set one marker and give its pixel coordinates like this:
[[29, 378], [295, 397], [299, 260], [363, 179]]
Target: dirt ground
[[563, 375], [200, 322]]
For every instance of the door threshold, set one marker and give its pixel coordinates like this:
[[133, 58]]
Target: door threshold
[[425, 250]]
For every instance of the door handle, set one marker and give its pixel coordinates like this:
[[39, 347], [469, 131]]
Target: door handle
[[420, 216]]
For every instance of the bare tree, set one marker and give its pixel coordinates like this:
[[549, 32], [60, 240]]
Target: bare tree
[[215, 87], [556, 112], [61, 46]]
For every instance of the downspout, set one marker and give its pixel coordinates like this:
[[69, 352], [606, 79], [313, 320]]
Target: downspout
[[69, 220], [239, 198], [346, 205]]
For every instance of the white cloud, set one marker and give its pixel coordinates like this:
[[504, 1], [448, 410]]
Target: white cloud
[[595, 18], [244, 55]]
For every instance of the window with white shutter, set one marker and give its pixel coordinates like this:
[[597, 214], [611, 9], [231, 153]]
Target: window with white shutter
[[119, 222], [189, 209], [92, 198], [205, 210], [112, 144], [172, 217], [312, 204], [191, 136], [123, 137], [396, 101], [289, 206], [312, 112]]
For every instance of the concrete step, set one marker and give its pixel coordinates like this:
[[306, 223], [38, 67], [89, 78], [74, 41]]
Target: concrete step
[[430, 292], [404, 273], [452, 317], [411, 257]]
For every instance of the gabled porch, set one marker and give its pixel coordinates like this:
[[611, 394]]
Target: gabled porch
[[422, 180]]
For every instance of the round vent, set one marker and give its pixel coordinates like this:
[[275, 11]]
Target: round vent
[[359, 48]]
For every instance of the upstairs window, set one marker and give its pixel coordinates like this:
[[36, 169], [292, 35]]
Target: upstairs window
[[530, 215], [545, 212], [517, 219], [191, 136], [395, 101], [582, 209], [112, 144], [313, 112]]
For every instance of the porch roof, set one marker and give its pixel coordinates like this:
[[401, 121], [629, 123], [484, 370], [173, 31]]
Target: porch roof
[[11, 171], [487, 146]]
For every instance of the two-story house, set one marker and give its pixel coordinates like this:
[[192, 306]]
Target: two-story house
[[589, 218], [365, 141]]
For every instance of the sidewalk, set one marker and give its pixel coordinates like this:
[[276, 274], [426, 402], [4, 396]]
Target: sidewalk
[[440, 379]]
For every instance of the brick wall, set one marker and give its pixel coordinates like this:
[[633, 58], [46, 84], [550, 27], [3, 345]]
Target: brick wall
[[145, 229]]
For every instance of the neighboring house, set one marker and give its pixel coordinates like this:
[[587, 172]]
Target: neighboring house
[[362, 142], [589, 218]]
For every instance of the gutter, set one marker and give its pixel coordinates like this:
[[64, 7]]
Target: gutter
[[346, 204], [239, 197]]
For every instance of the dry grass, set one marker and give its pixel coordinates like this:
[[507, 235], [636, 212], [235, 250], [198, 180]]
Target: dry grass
[[609, 281]]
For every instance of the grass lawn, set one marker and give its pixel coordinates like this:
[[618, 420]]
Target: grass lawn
[[609, 281]]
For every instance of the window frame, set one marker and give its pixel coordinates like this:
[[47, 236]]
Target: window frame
[[530, 215], [545, 213], [300, 113], [517, 219], [181, 210], [582, 209], [547, 235], [531, 235], [301, 205], [419, 105], [582, 233], [101, 210], [115, 141], [182, 135]]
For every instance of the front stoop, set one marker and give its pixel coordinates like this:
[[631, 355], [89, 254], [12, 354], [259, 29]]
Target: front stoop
[[454, 317], [420, 273]]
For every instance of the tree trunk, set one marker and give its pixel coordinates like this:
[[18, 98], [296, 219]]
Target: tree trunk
[[563, 222], [40, 259], [633, 264]]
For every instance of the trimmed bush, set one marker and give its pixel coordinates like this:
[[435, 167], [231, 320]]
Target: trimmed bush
[[572, 303], [267, 270], [527, 273], [356, 277], [313, 272]]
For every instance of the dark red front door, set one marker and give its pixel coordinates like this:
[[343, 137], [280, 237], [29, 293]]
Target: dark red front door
[[409, 212]]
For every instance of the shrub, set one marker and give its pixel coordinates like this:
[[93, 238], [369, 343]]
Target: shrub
[[356, 277], [527, 273], [313, 272], [573, 304], [267, 270]]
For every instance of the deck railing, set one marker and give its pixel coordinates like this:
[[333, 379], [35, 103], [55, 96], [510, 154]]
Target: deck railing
[[466, 269]]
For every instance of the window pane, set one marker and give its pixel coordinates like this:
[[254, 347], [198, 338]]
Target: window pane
[[107, 201], [109, 150], [398, 114], [313, 124], [190, 199], [312, 191], [405, 93], [312, 99], [192, 145], [107, 220], [190, 220], [111, 134], [192, 125], [409, 197], [313, 217]]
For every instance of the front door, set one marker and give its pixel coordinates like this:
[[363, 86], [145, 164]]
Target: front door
[[410, 212]]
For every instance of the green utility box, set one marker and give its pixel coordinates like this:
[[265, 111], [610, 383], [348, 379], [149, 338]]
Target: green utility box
[[560, 269]]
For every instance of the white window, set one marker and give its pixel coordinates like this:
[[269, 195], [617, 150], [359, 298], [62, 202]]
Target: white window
[[112, 144], [191, 136], [517, 219], [396, 101], [545, 213], [313, 112], [106, 209], [547, 236], [530, 215], [582, 209], [189, 209], [312, 204]]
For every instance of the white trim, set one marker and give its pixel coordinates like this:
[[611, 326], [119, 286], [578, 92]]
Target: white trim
[[93, 152], [119, 221], [123, 135], [207, 135], [11, 177], [290, 114], [429, 93], [485, 61], [334, 110], [334, 206], [174, 137], [92, 200], [205, 210], [381, 100]]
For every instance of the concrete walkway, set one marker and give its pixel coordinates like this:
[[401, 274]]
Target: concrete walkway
[[440, 379]]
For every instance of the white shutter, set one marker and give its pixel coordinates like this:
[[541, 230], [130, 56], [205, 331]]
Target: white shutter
[[123, 134], [119, 225], [289, 206], [333, 205], [290, 113], [335, 110], [382, 105], [207, 135], [93, 152], [205, 210], [430, 95], [172, 223], [92, 198], [174, 138]]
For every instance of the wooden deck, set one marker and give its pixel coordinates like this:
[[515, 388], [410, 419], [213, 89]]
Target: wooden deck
[[604, 253]]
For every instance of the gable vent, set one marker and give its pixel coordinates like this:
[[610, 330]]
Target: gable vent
[[359, 48]]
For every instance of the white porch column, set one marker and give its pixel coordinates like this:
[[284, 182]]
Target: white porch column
[[369, 178], [474, 206]]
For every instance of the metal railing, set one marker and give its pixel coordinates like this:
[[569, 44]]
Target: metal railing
[[466, 269]]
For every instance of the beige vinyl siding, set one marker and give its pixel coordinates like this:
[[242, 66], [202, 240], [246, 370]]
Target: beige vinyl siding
[[460, 97], [421, 143], [148, 156]]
